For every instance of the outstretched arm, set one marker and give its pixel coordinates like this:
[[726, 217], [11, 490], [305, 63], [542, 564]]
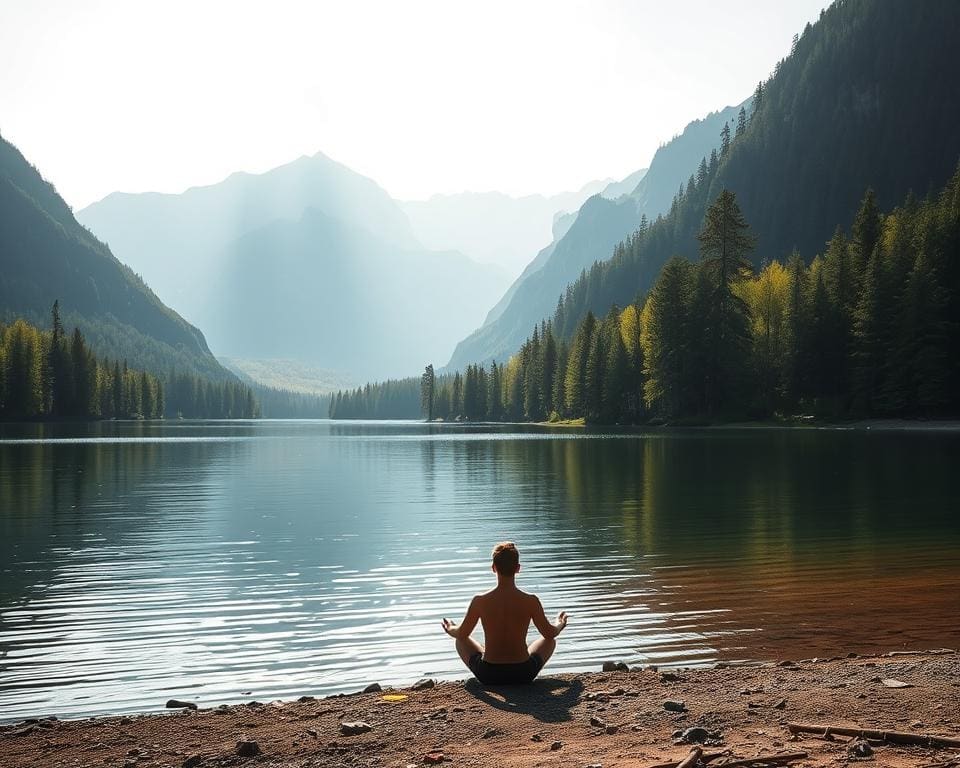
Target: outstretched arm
[[463, 630], [544, 626]]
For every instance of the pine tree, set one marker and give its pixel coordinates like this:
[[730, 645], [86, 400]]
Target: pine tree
[[725, 242]]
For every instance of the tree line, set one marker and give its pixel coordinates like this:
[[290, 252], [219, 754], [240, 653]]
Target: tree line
[[869, 328], [49, 374]]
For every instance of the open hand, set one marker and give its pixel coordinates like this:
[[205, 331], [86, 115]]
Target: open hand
[[561, 620], [450, 627]]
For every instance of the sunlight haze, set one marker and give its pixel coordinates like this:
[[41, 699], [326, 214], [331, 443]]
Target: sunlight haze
[[424, 98]]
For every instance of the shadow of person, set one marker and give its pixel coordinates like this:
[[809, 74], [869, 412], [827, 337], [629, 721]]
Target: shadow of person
[[547, 699]]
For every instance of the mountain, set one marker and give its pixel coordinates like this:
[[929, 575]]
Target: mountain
[[599, 225], [46, 255], [834, 119], [319, 291], [491, 227], [169, 238], [309, 262]]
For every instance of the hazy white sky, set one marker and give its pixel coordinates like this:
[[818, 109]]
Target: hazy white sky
[[424, 97]]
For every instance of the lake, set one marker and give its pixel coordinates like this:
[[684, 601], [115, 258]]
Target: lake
[[230, 561]]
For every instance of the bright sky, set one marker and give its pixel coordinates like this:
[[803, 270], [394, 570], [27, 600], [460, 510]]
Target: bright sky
[[423, 97]]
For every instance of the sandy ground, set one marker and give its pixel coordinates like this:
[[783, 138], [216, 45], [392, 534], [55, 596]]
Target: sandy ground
[[590, 719]]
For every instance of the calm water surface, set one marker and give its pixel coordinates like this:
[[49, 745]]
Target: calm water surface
[[224, 562]]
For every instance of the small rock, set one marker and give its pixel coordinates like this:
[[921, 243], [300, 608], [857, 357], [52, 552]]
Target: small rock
[[490, 733], [248, 748], [193, 761], [354, 728], [556, 745], [305, 699], [536, 737], [433, 758], [785, 663], [615, 666], [674, 706], [636, 669], [594, 765], [597, 722], [373, 688], [423, 684], [781, 704], [312, 732], [891, 683], [669, 677], [177, 704], [859, 748], [697, 735], [611, 729]]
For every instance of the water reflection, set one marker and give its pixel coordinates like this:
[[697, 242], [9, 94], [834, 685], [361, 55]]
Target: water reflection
[[142, 561]]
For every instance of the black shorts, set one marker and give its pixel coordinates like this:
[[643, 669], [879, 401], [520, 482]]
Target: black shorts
[[505, 674]]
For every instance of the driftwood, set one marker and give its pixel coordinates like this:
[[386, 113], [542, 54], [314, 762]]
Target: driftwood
[[690, 761], [783, 757], [704, 758], [695, 754], [891, 737]]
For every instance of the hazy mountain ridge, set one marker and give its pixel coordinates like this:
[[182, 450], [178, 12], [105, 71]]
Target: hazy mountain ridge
[[493, 227], [591, 236], [45, 255], [308, 261]]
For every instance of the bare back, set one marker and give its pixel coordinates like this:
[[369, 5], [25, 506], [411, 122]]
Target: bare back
[[506, 613]]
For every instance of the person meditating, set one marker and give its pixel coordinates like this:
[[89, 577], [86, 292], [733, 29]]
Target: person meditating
[[505, 613]]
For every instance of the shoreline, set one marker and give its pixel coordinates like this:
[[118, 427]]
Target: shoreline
[[616, 718]]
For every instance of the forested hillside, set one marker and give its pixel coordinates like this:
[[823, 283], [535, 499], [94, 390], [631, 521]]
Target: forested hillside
[[842, 113], [587, 237], [45, 255], [53, 375], [870, 328]]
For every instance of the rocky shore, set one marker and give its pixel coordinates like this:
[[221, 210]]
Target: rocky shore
[[639, 718]]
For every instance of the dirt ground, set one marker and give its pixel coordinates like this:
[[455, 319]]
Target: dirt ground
[[608, 719]]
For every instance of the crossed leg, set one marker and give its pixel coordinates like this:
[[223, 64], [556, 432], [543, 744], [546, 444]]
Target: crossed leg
[[542, 646], [466, 647]]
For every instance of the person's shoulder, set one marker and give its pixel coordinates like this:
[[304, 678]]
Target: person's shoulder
[[529, 597]]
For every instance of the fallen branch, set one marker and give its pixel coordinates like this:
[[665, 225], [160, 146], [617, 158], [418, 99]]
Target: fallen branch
[[779, 759], [892, 737], [690, 761], [704, 758], [783, 757]]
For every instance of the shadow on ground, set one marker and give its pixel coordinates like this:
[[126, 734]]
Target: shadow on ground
[[546, 699]]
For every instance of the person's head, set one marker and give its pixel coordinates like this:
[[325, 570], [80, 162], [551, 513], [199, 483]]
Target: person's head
[[506, 559]]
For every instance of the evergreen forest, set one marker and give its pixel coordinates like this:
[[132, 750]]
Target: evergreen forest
[[867, 329], [53, 375]]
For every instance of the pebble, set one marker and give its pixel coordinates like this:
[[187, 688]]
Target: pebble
[[597, 722], [424, 683], [611, 729], [354, 728], [490, 733], [305, 699], [859, 748], [669, 677], [177, 704], [536, 737], [674, 706], [556, 745], [615, 666], [433, 758], [373, 688], [247, 748], [781, 704], [193, 761]]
